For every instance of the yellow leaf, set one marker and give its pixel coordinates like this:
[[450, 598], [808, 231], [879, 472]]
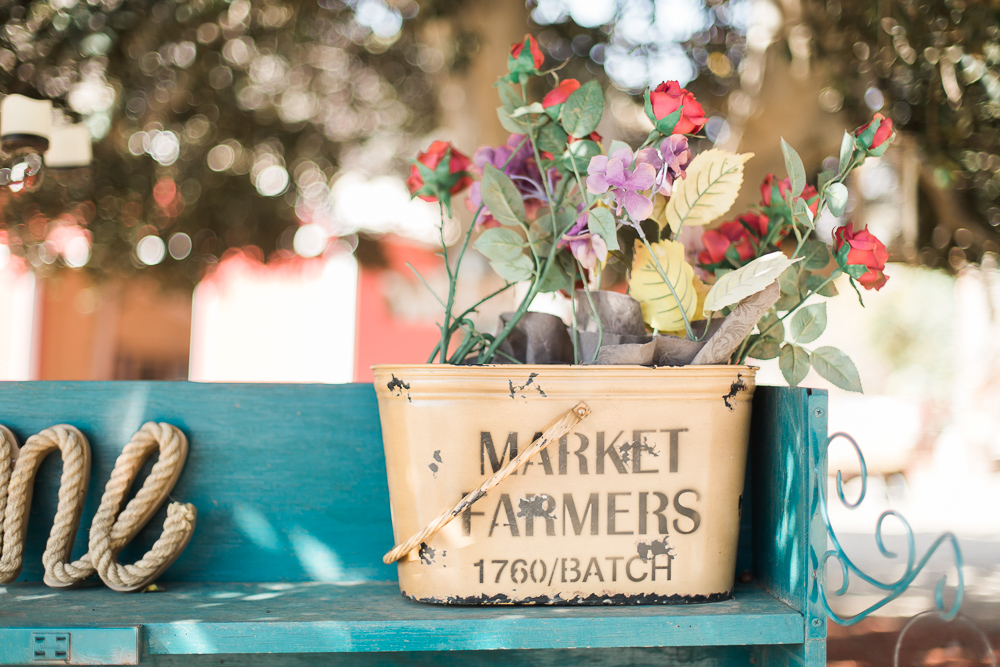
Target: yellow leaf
[[707, 191], [660, 309], [737, 285], [699, 312], [659, 210]]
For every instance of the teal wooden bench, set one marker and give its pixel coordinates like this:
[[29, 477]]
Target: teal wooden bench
[[285, 564]]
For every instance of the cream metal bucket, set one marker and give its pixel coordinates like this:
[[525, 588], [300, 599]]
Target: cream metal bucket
[[639, 503]]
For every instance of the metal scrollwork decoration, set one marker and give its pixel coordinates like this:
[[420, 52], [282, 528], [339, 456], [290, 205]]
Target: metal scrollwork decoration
[[892, 589]]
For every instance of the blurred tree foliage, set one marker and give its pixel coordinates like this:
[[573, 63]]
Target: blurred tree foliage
[[217, 124], [222, 124], [933, 66]]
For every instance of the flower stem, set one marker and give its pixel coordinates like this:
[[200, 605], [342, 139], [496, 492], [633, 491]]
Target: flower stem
[[541, 269], [600, 325]]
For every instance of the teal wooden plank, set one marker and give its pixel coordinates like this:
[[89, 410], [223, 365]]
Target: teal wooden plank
[[787, 532], [69, 646], [722, 656], [718, 656], [289, 480], [202, 618]]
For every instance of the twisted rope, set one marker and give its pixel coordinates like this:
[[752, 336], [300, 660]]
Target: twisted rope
[[112, 527], [110, 531], [75, 451]]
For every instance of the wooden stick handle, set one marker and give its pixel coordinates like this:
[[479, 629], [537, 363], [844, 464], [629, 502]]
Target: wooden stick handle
[[555, 431]]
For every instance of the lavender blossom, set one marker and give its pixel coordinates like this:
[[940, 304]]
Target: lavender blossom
[[669, 161], [588, 248], [522, 170], [612, 172]]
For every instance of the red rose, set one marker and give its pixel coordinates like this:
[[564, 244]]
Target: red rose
[[874, 138], [445, 173], [718, 242], [756, 222], [861, 256], [674, 110], [560, 93], [523, 64]]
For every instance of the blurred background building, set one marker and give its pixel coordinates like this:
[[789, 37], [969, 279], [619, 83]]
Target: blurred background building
[[245, 217]]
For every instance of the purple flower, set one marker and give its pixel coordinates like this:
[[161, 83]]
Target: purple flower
[[587, 247], [612, 172], [669, 161], [522, 170]]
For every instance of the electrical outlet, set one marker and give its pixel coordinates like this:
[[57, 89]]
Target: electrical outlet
[[50, 646]]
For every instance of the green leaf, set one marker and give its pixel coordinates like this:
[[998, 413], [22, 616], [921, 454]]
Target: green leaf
[[836, 198], [816, 254], [582, 111], [509, 96], [824, 178], [789, 281], [814, 281], [501, 197], [808, 323], [540, 238], [515, 270], [552, 138], [535, 107], [511, 124], [803, 216], [793, 165], [771, 326], [500, 244], [559, 274], [794, 364], [602, 222], [579, 154], [764, 348], [837, 367], [846, 150], [616, 145]]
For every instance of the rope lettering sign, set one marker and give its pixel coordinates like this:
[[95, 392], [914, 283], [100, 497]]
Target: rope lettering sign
[[112, 527]]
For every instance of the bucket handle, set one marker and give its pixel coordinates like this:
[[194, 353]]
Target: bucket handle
[[555, 431]]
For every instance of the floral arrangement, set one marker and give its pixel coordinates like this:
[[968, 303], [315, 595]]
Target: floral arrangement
[[551, 207]]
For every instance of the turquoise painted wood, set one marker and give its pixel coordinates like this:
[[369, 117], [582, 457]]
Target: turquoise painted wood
[[289, 482]]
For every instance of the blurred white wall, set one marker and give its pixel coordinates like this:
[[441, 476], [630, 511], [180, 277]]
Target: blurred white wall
[[18, 322], [286, 322]]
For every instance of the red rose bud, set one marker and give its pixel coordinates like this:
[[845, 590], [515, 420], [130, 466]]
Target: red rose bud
[[772, 190], [874, 138], [553, 100], [524, 62], [439, 173], [593, 136], [861, 256], [674, 110]]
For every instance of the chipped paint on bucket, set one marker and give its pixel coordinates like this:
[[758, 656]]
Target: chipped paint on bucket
[[639, 504]]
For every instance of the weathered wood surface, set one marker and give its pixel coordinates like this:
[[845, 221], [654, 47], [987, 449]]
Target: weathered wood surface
[[786, 463], [289, 480], [193, 618]]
